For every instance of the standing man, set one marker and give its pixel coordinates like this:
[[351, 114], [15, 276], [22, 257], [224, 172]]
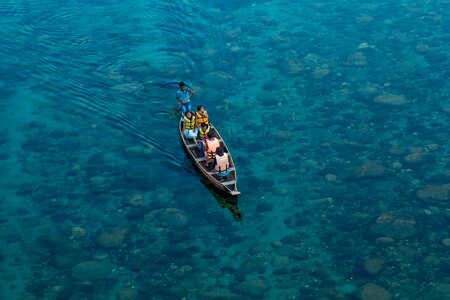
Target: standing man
[[182, 94]]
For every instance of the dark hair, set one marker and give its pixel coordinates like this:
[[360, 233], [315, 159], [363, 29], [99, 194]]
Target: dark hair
[[203, 124], [199, 107], [211, 134], [181, 84], [219, 151]]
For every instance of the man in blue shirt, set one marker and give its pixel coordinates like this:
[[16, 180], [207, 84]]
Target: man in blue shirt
[[182, 94]]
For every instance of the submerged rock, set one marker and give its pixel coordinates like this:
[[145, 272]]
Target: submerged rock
[[415, 158], [319, 73], [134, 151], [440, 291], [422, 48], [136, 200], [112, 237], [255, 287], [69, 258], [403, 253], [280, 42], [372, 291], [89, 271], [373, 265], [100, 184], [78, 232], [173, 217], [217, 77], [390, 100], [280, 192], [286, 165], [368, 169], [446, 242], [396, 149], [385, 241], [394, 225], [251, 265], [434, 194], [291, 239], [281, 261], [312, 59], [127, 294], [220, 294], [291, 67], [357, 59], [292, 252]]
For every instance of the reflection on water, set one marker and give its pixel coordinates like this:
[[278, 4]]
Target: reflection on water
[[224, 200]]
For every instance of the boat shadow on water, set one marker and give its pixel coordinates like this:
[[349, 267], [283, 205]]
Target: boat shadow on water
[[223, 199]]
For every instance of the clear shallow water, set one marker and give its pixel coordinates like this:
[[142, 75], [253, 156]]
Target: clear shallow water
[[347, 199]]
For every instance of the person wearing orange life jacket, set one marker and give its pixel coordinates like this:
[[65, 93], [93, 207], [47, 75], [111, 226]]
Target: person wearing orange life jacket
[[202, 116], [221, 163], [211, 144], [189, 126]]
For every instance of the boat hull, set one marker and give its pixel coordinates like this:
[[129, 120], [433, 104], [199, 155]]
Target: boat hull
[[229, 184]]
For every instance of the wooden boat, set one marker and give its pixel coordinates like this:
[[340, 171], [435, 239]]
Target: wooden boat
[[229, 183]]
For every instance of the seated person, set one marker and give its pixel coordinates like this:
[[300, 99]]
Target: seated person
[[221, 163], [202, 116], [203, 131], [211, 144], [189, 126], [202, 135]]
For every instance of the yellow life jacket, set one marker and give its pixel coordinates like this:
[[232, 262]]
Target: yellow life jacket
[[189, 123], [221, 163], [212, 146], [201, 119], [203, 133]]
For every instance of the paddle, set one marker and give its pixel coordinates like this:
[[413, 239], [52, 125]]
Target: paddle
[[185, 100]]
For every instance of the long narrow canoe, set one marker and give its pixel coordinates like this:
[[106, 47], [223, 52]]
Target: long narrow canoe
[[228, 184]]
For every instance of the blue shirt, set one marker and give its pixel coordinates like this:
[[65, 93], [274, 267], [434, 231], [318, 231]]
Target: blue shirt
[[183, 95]]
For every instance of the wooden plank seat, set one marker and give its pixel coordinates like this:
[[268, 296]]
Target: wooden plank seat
[[228, 182]]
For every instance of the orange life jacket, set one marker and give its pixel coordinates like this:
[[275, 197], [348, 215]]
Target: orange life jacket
[[221, 163], [212, 145], [201, 119]]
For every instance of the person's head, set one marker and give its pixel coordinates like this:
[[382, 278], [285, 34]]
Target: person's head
[[219, 151], [182, 85], [188, 114], [200, 108], [211, 134], [204, 126]]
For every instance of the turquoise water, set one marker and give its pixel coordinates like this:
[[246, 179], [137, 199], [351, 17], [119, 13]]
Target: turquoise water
[[336, 114]]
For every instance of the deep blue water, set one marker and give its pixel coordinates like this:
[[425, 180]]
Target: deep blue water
[[336, 114]]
